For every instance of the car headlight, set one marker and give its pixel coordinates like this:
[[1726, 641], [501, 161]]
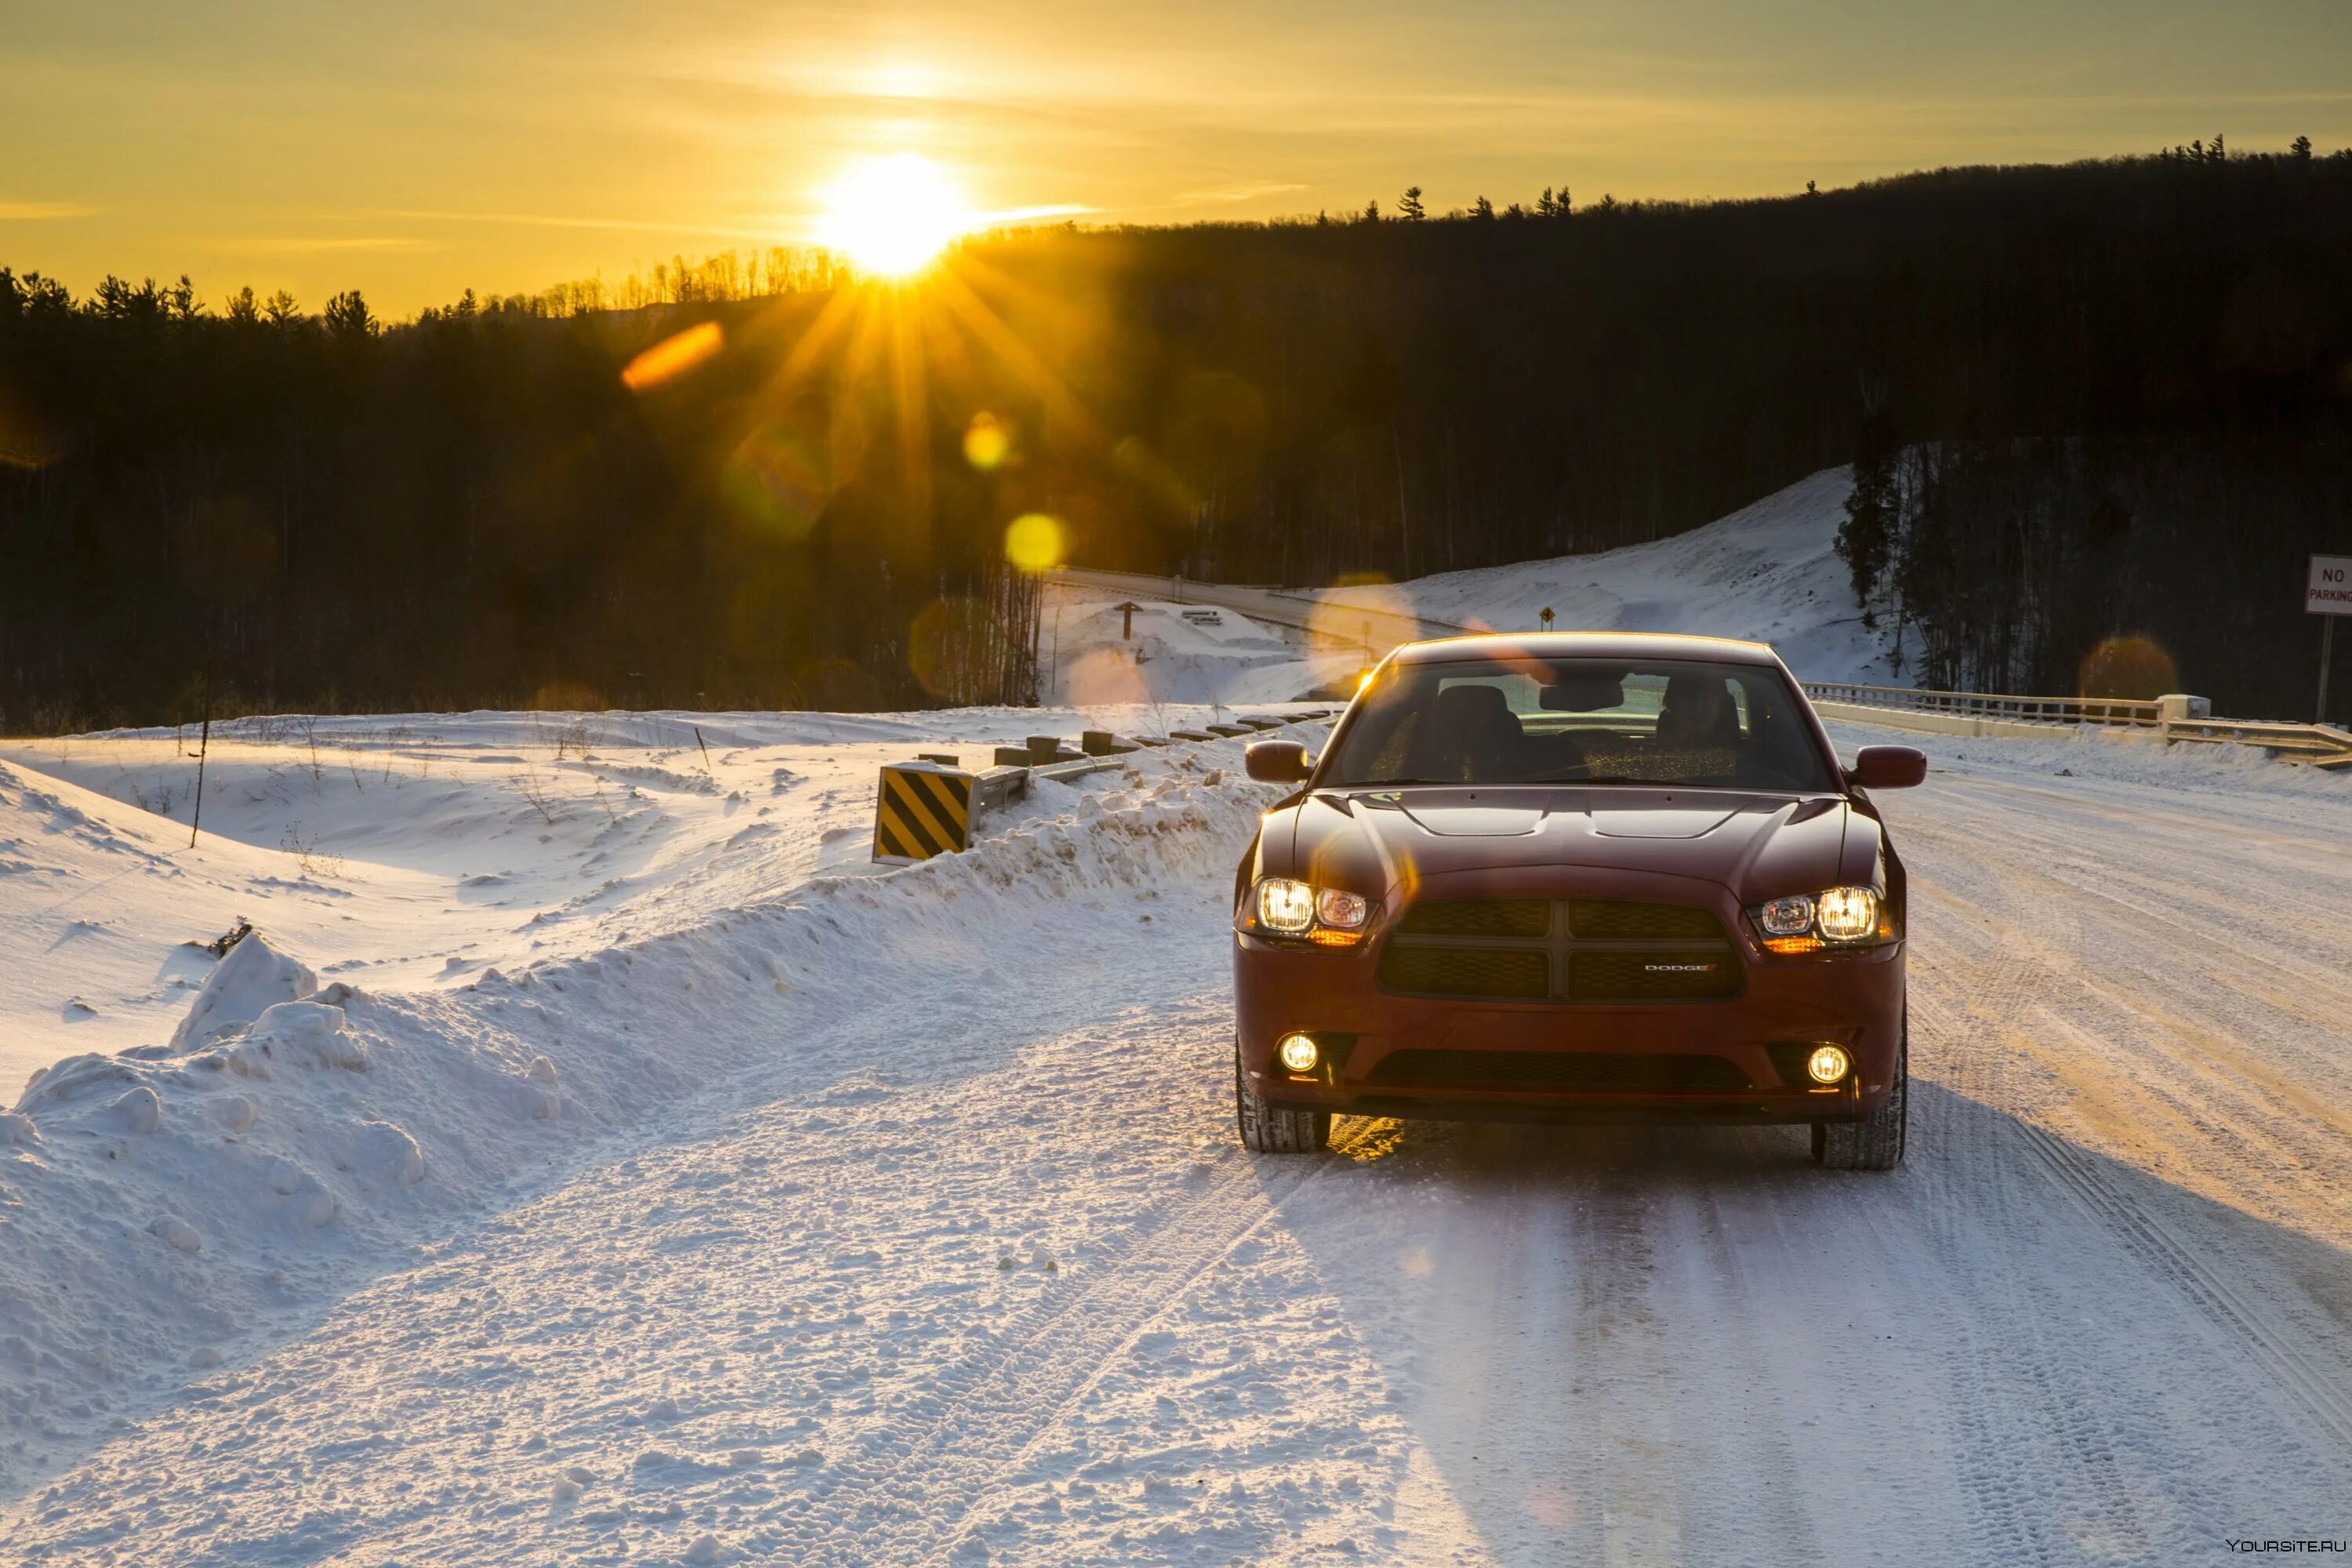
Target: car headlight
[[1330, 917], [1846, 914], [1342, 910], [1285, 906], [1810, 923]]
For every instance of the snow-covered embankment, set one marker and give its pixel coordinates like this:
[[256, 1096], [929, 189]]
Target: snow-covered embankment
[[176, 1206]]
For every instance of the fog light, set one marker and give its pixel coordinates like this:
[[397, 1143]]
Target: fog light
[[1827, 1064], [1298, 1053]]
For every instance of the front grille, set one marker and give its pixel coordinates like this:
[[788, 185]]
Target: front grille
[[1480, 917], [1522, 974], [1622, 1072], [1665, 974], [1565, 950], [1617, 918]]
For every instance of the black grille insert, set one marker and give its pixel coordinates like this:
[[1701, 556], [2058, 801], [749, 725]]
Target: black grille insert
[[1623, 1072], [1480, 917], [1583, 949], [1616, 918], [1522, 974]]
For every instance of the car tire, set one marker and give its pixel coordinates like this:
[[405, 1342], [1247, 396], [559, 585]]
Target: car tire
[[1275, 1129], [1874, 1142]]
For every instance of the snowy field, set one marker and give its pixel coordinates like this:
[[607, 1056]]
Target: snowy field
[[624, 1171]]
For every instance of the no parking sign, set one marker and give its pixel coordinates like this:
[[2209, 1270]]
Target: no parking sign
[[2329, 592]]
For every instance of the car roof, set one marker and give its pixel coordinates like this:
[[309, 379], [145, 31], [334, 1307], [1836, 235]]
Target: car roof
[[1587, 644]]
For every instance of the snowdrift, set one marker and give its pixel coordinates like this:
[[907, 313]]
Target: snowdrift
[[166, 1209]]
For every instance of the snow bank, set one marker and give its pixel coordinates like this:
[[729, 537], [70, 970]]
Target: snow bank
[[175, 1205], [2112, 756]]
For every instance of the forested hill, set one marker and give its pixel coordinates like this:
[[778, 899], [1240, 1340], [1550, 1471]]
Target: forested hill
[[2091, 400]]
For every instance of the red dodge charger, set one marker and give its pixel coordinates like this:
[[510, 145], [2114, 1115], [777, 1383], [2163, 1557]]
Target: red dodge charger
[[1575, 876]]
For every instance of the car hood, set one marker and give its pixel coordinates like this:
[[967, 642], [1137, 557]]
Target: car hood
[[1757, 845]]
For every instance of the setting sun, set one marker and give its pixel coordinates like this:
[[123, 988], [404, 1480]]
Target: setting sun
[[892, 215]]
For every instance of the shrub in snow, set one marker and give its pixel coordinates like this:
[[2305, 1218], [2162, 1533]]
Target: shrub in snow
[[252, 979]]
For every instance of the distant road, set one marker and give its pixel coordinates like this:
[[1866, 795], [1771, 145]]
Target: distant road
[[1314, 614]]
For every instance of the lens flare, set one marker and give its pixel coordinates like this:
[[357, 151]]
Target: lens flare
[[892, 215], [2132, 667], [673, 357], [1034, 543], [987, 442]]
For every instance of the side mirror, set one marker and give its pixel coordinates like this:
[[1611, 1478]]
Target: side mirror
[[1277, 761], [1887, 767]]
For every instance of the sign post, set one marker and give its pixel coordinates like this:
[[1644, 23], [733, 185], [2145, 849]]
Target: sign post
[[2328, 592]]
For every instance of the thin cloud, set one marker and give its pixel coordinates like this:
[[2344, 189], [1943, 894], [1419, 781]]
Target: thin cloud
[[1242, 193], [37, 212], [622, 225], [312, 245]]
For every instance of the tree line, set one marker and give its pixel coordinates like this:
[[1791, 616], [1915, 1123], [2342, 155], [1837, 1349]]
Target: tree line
[[755, 482]]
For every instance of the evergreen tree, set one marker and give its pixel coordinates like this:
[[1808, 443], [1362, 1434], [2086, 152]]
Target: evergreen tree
[[347, 319], [1865, 539], [1482, 208], [1409, 205], [2300, 149]]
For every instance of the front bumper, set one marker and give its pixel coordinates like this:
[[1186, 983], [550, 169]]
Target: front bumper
[[1738, 1055]]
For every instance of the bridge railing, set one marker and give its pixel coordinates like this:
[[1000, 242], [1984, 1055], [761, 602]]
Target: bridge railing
[[1992, 705]]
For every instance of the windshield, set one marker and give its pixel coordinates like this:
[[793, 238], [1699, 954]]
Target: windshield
[[1580, 720]]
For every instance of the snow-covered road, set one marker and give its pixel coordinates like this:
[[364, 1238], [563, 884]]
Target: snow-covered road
[[988, 1278]]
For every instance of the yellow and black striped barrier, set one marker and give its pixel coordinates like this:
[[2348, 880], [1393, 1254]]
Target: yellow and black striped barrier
[[924, 810]]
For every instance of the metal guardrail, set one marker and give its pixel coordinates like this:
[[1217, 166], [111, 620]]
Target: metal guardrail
[[2322, 745], [2168, 719], [1993, 705]]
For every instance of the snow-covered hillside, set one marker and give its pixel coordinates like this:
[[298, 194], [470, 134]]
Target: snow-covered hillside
[[1769, 573]]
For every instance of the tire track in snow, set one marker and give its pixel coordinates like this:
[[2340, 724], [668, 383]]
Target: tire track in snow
[[2243, 1323], [1222, 1221], [997, 1404]]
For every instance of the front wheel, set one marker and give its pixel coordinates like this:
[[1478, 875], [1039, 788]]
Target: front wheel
[[1874, 1142], [1272, 1130]]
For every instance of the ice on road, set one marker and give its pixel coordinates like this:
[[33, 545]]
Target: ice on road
[[989, 1280]]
